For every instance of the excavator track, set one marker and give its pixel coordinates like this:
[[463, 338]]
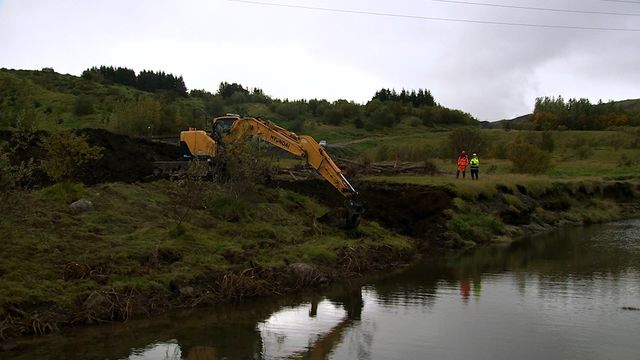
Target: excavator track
[[169, 168]]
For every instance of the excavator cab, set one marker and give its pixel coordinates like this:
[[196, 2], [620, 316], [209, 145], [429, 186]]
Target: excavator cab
[[222, 125]]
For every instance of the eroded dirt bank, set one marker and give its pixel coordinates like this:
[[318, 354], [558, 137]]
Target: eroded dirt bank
[[442, 217]]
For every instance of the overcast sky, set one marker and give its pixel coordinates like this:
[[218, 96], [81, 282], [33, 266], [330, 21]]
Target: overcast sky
[[490, 71]]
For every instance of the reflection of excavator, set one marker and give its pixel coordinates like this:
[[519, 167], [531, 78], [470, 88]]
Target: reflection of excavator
[[232, 128]]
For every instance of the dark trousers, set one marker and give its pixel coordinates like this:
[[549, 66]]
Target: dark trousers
[[474, 173], [463, 174]]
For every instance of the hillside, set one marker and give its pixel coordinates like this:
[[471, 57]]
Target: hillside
[[50, 100]]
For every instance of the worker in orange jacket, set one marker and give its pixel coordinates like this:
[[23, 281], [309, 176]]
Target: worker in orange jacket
[[463, 161]]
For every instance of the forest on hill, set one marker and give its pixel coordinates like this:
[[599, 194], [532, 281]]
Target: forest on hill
[[551, 113], [556, 113], [158, 103]]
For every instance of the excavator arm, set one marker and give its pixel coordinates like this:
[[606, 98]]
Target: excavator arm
[[299, 145]]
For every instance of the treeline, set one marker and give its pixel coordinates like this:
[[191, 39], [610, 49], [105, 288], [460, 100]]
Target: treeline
[[386, 109], [419, 98], [146, 80], [165, 107], [551, 113]]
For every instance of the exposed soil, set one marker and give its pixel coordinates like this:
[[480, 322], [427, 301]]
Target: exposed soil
[[123, 159], [411, 210]]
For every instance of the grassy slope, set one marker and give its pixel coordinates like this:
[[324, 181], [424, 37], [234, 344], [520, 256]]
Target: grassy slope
[[607, 150], [50, 98], [53, 258]]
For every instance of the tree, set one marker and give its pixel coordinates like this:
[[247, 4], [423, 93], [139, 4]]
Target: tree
[[468, 139], [226, 90]]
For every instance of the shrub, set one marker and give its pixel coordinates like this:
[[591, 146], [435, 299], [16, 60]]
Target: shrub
[[137, 118], [16, 168], [383, 117], [67, 155], [625, 161], [469, 139], [492, 169], [528, 158], [584, 152], [242, 165], [547, 143], [499, 150], [83, 106], [383, 153]]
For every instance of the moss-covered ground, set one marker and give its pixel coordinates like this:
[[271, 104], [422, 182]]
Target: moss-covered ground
[[157, 239]]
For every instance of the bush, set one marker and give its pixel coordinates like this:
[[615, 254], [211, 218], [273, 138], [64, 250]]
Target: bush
[[138, 118], [528, 158], [83, 106], [381, 117], [383, 153], [584, 152], [469, 139], [547, 143], [243, 165], [67, 155]]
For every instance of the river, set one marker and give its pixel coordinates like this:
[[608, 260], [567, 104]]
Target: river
[[570, 294]]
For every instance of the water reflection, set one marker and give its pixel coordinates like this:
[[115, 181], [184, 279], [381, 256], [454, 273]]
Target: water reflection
[[569, 294], [169, 351]]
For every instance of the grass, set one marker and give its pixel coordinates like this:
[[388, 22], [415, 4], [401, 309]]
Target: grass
[[133, 239], [486, 187]]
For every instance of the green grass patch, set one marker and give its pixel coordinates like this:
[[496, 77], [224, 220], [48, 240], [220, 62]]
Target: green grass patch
[[132, 241]]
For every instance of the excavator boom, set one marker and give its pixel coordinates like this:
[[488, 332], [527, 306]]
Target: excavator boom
[[299, 145]]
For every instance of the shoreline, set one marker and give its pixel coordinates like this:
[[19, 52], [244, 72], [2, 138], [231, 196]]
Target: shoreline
[[455, 221]]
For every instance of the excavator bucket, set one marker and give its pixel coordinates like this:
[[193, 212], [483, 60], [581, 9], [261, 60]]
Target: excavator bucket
[[347, 217]]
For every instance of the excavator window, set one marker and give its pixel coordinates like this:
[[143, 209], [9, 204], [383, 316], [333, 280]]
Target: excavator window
[[222, 125]]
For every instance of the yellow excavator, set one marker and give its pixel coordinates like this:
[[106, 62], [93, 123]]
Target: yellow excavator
[[228, 129]]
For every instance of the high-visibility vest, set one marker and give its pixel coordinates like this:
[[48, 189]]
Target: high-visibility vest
[[475, 163]]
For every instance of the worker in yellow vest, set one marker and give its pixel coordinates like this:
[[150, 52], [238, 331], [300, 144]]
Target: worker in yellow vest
[[475, 166]]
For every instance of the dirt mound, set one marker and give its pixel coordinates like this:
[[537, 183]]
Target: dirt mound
[[124, 159]]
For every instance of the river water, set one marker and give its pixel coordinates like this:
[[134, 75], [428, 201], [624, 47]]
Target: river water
[[570, 294]]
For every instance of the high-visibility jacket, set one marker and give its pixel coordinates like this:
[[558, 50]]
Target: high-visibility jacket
[[475, 162], [462, 163]]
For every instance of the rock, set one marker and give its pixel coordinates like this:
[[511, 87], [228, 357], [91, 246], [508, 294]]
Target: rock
[[80, 206], [8, 346], [305, 273], [186, 291]]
